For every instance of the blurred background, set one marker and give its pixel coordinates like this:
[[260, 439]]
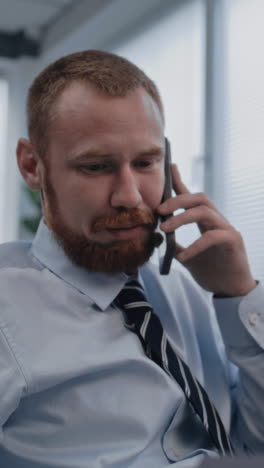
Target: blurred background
[[206, 58]]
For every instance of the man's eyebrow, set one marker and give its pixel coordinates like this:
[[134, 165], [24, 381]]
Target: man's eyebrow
[[154, 151], [89, 154], [86, 155]]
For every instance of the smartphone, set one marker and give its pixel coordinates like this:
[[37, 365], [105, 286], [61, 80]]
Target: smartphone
[[166, 259]]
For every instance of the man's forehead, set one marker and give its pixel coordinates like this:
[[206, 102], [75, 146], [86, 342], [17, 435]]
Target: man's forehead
[[75, 92], [83, 116], [80, 95]]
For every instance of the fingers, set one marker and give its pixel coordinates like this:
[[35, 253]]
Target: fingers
[[185, 201], [198, 209], [210, 239], [206, 218]]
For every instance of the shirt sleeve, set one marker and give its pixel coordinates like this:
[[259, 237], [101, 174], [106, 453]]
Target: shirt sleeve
[[12, 382], [241, 321]]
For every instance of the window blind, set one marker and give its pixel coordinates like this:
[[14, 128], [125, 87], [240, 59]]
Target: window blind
[[239, 180]]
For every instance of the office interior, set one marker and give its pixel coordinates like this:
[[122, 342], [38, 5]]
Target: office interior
[[206, 58]]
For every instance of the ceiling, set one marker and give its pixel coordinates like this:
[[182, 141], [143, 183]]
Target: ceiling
[[25, 23], [30, 28]]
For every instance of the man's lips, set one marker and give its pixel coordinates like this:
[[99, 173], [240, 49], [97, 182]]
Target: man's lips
[[127, 231], [125, 226]]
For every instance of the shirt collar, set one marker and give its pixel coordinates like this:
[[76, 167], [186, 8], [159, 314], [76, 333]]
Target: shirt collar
[[102, 288]]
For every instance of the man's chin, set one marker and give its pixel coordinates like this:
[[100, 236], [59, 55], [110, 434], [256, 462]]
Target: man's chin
[[117, 257], [123, 256]]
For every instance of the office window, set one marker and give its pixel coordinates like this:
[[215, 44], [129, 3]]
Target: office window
[[3, 131], [171, 52], [240, 180]]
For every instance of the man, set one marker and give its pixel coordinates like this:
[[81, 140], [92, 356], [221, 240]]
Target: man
[[82, 385]]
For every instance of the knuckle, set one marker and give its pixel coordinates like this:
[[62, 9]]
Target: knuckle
[[204, 212], [209, 235], [236, 235], [202, 197]]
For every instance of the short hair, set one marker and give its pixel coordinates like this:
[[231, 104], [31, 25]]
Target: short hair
[[108, 73]]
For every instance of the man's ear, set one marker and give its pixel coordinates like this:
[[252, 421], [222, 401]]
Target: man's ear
[[28, 163]]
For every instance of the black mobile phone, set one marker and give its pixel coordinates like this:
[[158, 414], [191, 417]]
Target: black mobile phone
[[170, 248]]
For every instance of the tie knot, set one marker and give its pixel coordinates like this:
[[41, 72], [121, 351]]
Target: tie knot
[[133, 302], [131, 292]]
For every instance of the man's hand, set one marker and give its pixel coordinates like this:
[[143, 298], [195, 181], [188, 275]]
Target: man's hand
[[218, 259]]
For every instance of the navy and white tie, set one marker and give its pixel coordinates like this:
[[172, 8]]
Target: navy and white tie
[[141, 319]]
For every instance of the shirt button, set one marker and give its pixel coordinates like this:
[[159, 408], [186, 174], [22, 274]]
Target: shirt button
[[253, 318]]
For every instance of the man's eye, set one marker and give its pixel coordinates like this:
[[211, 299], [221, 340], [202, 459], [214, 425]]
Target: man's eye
[[143, 164], [97, 167]]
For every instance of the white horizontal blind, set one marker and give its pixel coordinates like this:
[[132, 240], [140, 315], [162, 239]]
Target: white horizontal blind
[[240, 186], [3, 135], [171, 52]]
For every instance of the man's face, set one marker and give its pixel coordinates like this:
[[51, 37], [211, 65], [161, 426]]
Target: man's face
[[104, 177]]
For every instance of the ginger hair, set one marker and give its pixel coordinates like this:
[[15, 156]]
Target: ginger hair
[[110, 74]]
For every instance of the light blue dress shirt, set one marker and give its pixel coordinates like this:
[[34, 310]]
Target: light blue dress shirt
[[76, 389]]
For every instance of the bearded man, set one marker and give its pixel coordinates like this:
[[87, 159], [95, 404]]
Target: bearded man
[[104, 362]]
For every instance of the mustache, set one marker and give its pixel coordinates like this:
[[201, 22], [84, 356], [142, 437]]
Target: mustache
[[132, 217]]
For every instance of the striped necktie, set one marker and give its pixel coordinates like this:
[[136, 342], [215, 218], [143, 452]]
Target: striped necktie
[[140, 318]]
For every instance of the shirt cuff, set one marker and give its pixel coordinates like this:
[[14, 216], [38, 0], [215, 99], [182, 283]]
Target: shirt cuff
[[241, 319]]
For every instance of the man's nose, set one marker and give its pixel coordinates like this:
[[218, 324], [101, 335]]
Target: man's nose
[[126, 192]]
